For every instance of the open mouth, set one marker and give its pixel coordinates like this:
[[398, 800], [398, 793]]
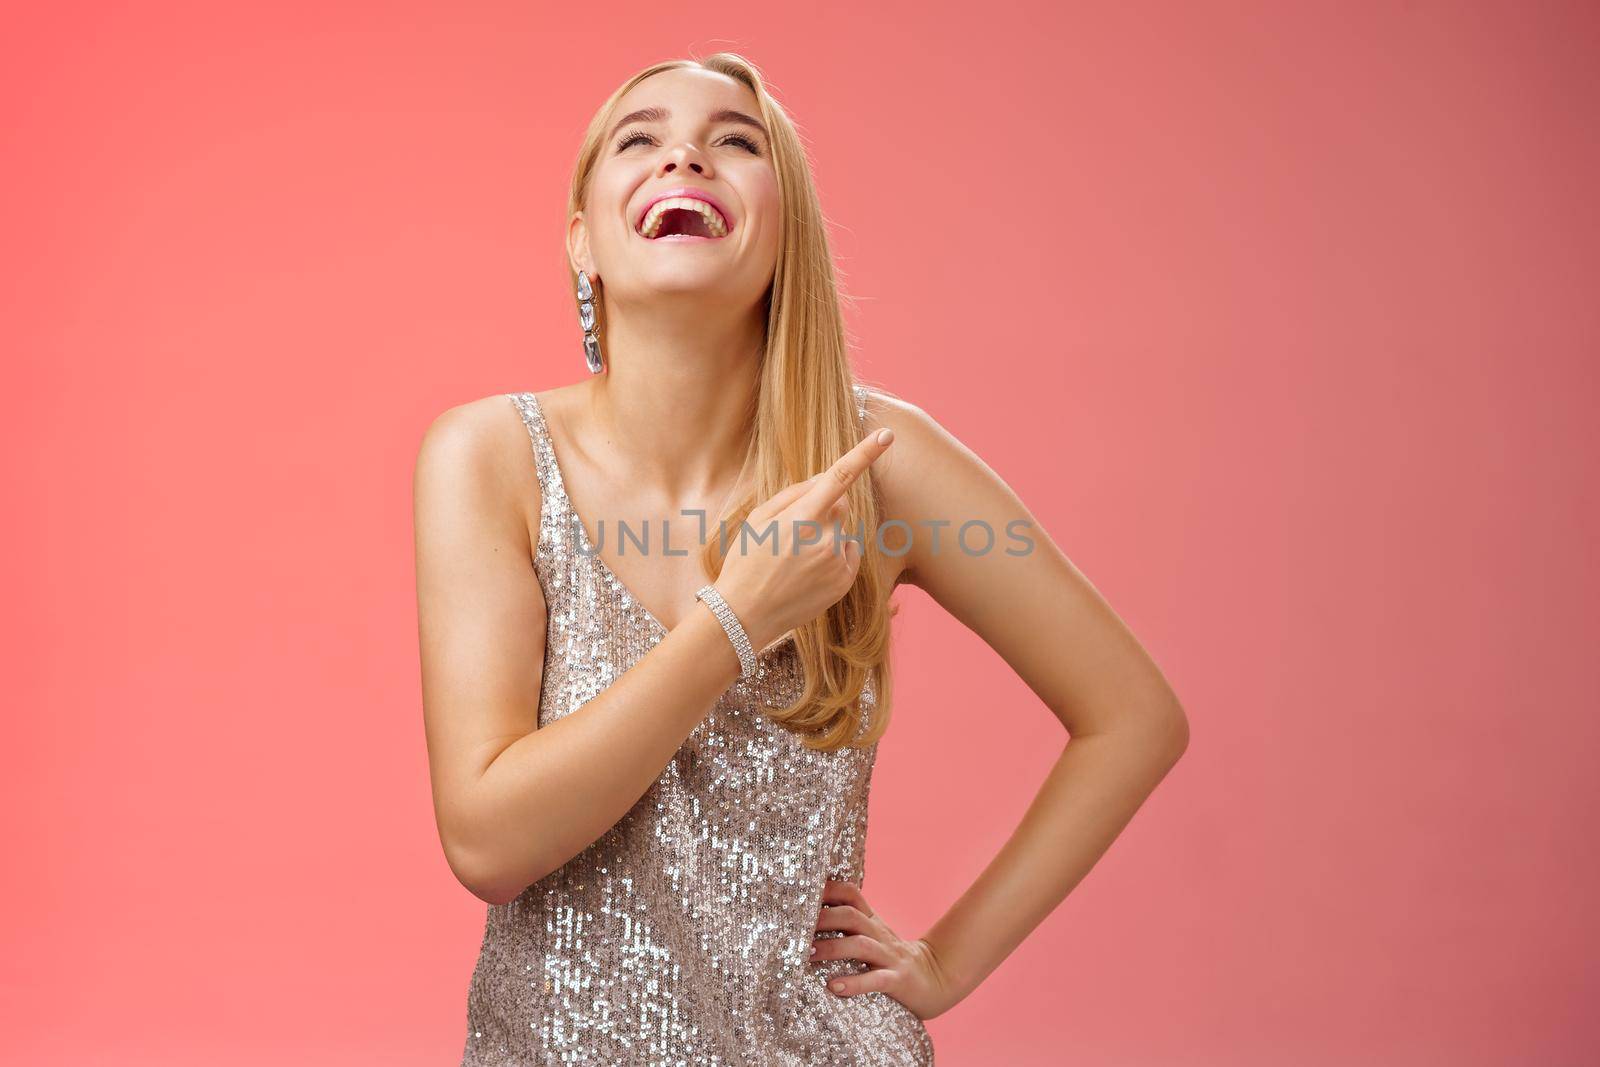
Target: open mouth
[[682, 217]]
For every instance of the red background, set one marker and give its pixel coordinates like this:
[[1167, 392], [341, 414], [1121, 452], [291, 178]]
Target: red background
[[1281, 317]]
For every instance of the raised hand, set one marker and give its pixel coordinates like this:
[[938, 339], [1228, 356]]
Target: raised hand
[[788, 567]]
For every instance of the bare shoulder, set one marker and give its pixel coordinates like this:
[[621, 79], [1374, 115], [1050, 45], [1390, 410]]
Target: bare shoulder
[[477, 453], [923, 450], [937, 487]]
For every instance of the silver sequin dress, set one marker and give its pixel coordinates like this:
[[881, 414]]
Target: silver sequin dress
[[681, 936]]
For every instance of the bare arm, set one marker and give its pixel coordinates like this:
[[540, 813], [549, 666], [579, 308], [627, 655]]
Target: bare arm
[[514, 801], [1050, 625]]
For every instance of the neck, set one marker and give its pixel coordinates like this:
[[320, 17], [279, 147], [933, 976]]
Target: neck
[[672, 405]]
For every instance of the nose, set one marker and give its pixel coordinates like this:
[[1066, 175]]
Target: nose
[[685, 155]]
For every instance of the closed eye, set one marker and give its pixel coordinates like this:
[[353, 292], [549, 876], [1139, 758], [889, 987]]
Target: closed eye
[[629, 139], [749, 142]]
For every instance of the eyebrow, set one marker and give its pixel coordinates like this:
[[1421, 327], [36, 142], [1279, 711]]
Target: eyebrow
[[661, 114]]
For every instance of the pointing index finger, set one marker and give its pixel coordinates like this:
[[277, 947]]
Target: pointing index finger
[[832, 483]]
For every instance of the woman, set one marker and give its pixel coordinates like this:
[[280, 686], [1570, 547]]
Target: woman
[[652, 761]]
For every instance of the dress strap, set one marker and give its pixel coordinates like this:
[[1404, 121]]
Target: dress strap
[[552, 491]]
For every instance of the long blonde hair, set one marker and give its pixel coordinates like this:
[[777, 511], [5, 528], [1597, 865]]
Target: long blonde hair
[[804, 418]]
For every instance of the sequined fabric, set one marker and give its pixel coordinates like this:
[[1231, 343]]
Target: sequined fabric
[[681, 936]]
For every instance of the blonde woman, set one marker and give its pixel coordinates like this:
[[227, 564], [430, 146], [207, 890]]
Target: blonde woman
[[652, 691]]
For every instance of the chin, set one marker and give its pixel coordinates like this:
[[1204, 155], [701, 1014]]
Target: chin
[[686, 279]]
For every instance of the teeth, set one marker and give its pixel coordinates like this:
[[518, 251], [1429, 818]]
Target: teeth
[[652, 220]]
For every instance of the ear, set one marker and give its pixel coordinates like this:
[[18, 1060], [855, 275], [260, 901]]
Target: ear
[[578, 246]]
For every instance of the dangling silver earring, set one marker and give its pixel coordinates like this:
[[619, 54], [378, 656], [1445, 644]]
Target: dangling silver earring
[[591, 343]]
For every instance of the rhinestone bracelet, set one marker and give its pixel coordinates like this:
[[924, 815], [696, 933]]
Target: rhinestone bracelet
[[730, 623]]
